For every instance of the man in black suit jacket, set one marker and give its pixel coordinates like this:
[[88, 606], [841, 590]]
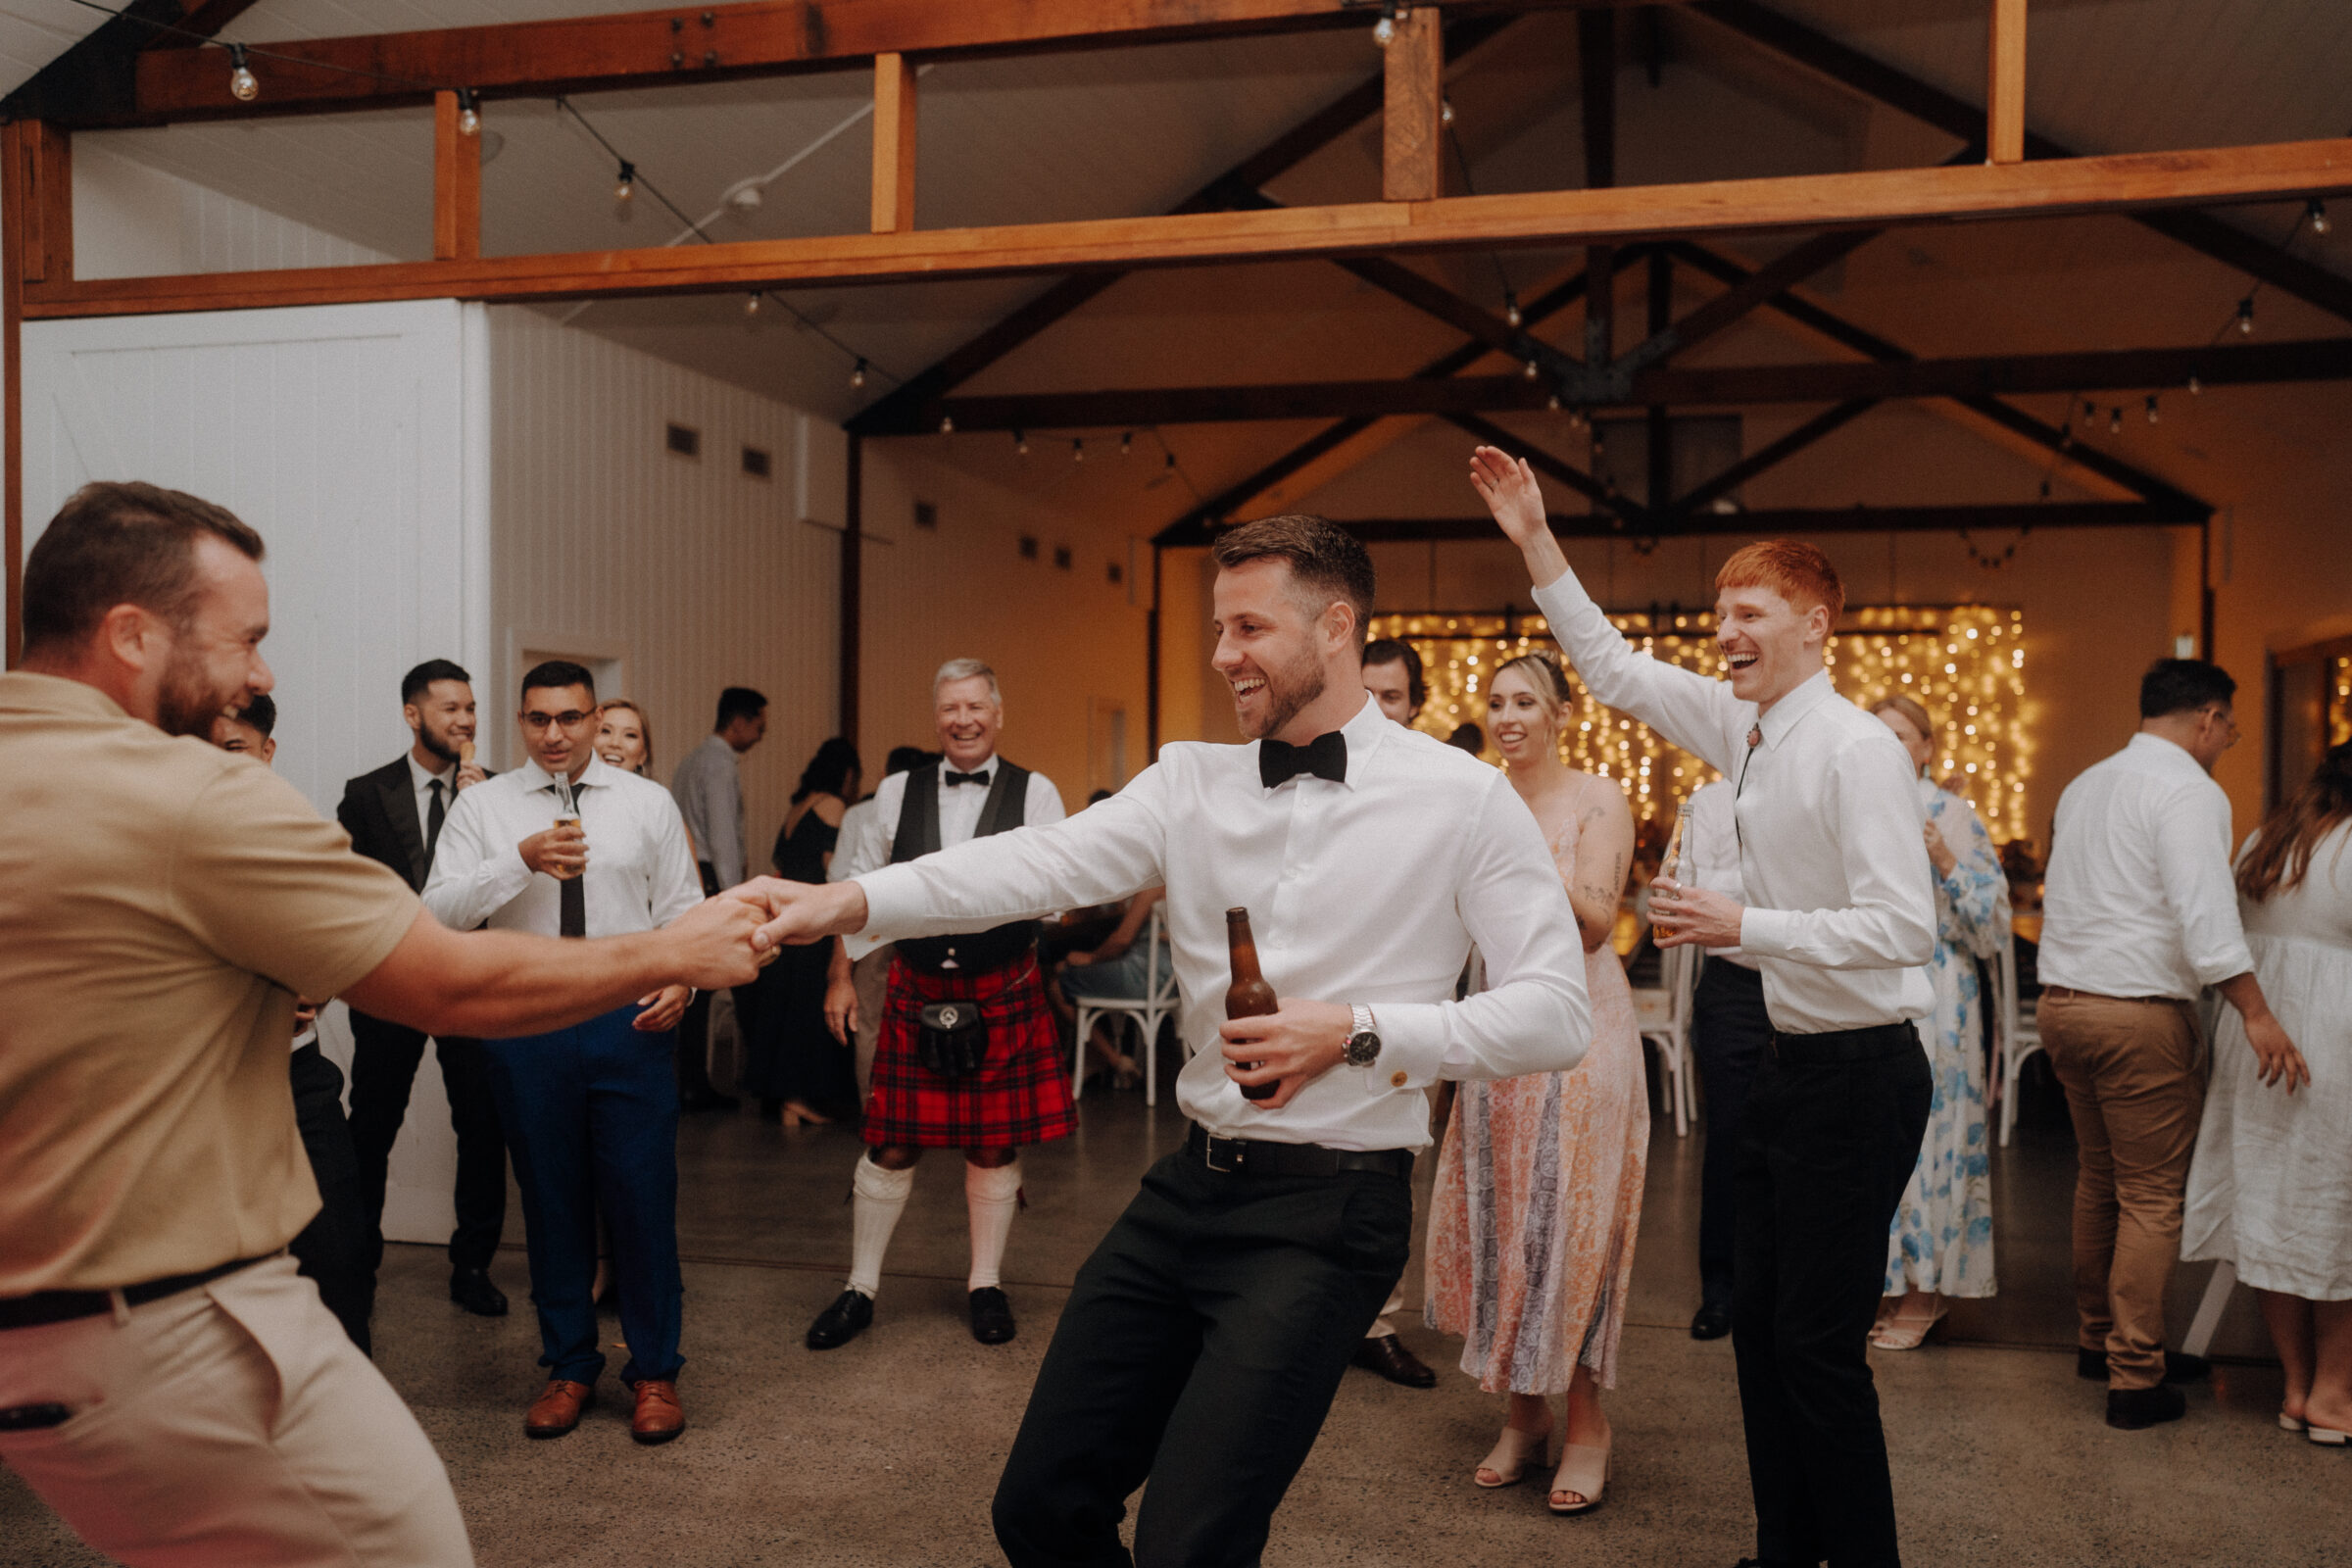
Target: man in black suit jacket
[[394, 816]]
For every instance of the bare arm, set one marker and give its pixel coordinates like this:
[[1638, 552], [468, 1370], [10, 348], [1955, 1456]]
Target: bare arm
[[1139, 910], [1605, 857]]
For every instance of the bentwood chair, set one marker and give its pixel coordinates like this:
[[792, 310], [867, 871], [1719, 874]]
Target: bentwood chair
[[1158, 1001]]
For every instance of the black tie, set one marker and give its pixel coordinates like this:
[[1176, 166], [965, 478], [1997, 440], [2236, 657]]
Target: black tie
[[571, 919], [980, 779], [1325, 757], [433, 818]]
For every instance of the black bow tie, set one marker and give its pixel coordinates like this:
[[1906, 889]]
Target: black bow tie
[[980, 779], [1325, 757]]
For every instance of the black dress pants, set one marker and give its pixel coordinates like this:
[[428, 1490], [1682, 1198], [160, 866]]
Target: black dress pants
[[1730, 1032], [1200, 1347], [332, 1249], [1832, 1131], [383, 1066]]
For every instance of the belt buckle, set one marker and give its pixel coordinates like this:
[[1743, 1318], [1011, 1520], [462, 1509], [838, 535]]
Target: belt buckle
[[1208, 1154]]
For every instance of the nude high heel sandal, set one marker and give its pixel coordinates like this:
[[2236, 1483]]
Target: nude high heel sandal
[[1515, 1453], [1583, 1472]]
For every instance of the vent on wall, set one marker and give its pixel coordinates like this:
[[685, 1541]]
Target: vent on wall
[[1028, 547], [926, 515], [685, 440], [1061, 557], [757, 462]]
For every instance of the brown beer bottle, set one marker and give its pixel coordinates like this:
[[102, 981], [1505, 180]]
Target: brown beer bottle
[[1248, 997]]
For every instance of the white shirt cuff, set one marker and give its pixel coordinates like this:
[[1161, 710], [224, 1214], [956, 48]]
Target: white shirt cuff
[[1767, 932], [1412, 1047], [894, 902]]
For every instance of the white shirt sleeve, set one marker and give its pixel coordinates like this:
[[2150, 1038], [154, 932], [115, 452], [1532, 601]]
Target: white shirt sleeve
[[1535, 1016], [2192, 866], [472, 878], [1041, 804], [1889, 920], [677, 886], [726, 786], [1695, 711]]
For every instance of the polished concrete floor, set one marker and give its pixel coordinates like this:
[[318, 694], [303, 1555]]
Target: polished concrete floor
[[885, 1452]]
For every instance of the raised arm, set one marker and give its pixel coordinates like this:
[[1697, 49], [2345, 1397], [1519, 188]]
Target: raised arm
[[1695, 711]]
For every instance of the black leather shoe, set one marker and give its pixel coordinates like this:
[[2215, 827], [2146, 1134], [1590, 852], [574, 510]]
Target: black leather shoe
[[2179, 1367], [851, 1314], [1712, 1320], [1387, 1356], [707, 1099], [2131, 1410], [991, 1316], [470, 1289]]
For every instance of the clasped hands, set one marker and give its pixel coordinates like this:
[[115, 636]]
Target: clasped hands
[[1685, 917]]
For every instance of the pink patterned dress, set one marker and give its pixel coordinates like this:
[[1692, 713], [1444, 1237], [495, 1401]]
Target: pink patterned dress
[[1538, 1200]]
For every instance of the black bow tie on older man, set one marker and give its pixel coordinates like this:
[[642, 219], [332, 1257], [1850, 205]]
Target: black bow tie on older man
[[980, 779], [1325, 757]]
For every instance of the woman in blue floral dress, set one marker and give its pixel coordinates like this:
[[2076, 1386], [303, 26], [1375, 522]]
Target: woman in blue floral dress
[[1941, 1245]]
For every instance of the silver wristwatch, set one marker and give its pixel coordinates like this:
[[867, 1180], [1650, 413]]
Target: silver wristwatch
[[1363, 1046]]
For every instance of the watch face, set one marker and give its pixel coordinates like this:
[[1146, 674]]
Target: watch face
[[1363, 1050]]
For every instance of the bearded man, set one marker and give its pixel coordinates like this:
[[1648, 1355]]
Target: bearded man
[[1205, 1339]]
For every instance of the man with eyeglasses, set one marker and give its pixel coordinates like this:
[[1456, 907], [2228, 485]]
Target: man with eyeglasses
[[566, 845], [2140, 915]]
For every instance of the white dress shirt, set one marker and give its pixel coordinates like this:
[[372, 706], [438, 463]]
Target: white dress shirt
[[1366, 892], [1711, 854], [866, 835], [1842, 914], [640, 873], [709, 789], [2138, 900]]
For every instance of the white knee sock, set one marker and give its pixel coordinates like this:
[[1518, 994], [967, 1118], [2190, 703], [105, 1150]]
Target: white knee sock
[[994, 1194], [880, 1197]]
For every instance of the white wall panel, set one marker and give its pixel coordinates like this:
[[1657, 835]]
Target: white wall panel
[[131, 220]]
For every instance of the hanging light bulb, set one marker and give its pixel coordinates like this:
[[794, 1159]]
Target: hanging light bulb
[[1553, 403], [2090, 411], [857, 375], [1385, 28], [2316, 212], [2115, 422], [2246, 317], [1531, 370], [243, 85], [627, 185], [2046, 489], [1077, 449], [1020, 444], [1445, 115], [946, 424], [2151, 408], [1510, 308], [469, 119], [751, 306], [1126, 443], [2196, 388]]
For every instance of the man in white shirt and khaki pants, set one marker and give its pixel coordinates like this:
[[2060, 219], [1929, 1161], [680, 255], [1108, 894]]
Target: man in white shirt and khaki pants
[[1204, 1340], [2140, 915], [1841, 918]]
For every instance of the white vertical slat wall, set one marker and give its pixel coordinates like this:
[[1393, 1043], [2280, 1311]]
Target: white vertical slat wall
[[685, 574], [134, 220]]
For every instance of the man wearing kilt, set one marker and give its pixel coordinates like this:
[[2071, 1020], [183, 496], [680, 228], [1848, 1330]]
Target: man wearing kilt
[[967, 1057]]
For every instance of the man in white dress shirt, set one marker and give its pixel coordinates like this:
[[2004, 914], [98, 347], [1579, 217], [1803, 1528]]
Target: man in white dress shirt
[[1205, 1339], [709, 789], [566, 845], [2140, 915], [1842, 918], [1019, 1092]]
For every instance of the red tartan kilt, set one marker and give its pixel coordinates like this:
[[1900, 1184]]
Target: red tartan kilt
[[1021, 1096]]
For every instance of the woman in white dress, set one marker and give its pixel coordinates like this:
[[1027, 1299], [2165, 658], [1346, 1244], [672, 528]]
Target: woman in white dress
[[2270, 1191]]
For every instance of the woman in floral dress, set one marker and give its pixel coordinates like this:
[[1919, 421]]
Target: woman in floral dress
[[1538, 1187], [1941, 1245]]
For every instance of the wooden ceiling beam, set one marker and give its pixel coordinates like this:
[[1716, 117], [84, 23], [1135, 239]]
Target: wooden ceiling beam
[[1769, 456], [1802, 521]]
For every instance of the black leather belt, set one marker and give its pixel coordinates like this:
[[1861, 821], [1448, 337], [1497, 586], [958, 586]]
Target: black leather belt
[[1834, 1046], [62, 1306], [1256, 1156]]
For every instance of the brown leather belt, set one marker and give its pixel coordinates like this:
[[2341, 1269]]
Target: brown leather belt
[[62, 1306], [2070, 993]]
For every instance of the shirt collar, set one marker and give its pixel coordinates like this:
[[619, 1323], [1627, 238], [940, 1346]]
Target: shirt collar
[[986, 765], [1783, 716], [419, 778], [536, 778], [2165, 752], [25, 691]]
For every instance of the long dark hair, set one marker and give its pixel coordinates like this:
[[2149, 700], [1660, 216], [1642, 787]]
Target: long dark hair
[[2281, 852], [828, 771]]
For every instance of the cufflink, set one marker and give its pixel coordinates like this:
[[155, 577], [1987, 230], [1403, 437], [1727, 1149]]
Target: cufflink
[[1397, 1079]]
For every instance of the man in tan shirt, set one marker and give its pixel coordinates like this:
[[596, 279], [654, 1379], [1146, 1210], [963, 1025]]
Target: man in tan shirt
[[167, 1381]]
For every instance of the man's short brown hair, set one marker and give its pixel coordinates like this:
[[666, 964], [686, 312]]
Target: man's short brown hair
[[120, 544], [1791, 567], [1324, 557]]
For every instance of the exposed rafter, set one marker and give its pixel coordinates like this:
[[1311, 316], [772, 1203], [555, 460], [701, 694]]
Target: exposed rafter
[[1804, 521]]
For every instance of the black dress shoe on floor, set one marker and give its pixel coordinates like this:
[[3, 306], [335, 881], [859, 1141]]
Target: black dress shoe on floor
[[2131, 1410], [2179, 1367], [470, 1289], [851, 1314], [1387, 1356], [1712, 1320], [991, 1316], [707, 1099]]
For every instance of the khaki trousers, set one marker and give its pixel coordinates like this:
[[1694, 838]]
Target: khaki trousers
[[234, 1423], [2135, 1079]]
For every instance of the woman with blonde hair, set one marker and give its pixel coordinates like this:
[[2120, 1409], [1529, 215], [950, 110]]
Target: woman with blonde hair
[[624, 737], [1538, 1187], [1942, 1242]]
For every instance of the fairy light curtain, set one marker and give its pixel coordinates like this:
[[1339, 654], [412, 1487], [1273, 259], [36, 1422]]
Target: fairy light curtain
[[1965, 664]]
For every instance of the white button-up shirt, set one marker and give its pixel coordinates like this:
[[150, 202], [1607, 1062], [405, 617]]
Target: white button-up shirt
[[640, 873], [1368, 892], [709, 789], [423, 783], [868, 830], [1843, 911], [2138, 900], [1711, 854]]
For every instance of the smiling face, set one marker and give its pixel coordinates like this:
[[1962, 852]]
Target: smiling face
[[212, 663], [1517, 720], [1770, 646], [443, 717], [1921, 747], [621, 739], [969, 716], [236, 735], [1272, 645], [558, 723]]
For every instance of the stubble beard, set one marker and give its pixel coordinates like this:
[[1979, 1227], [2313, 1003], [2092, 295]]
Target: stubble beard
[[188, 702], [1288, 692], [437, 743]]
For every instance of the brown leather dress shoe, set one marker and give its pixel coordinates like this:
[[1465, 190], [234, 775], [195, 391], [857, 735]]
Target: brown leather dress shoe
[[557, 1408], [659, 1417]]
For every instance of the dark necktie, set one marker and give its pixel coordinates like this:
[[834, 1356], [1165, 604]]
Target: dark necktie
[[1325, 757], [980, 779], [572, 919], [433, 818]]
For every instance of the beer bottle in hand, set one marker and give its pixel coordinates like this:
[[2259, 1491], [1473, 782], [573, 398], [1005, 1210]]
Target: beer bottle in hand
[[1248, 997]]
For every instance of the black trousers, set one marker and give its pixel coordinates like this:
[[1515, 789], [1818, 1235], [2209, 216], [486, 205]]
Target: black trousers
[[1200, 1347], [694, 1029], [1828, 1147], [383, 1065], [332, 1249], [1730, 1032]]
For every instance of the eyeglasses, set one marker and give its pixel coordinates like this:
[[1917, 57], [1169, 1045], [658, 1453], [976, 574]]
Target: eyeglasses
[[570, 718]]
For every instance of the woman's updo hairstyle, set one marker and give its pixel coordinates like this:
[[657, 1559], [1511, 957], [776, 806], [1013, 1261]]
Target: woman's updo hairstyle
[[1543, 673]]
